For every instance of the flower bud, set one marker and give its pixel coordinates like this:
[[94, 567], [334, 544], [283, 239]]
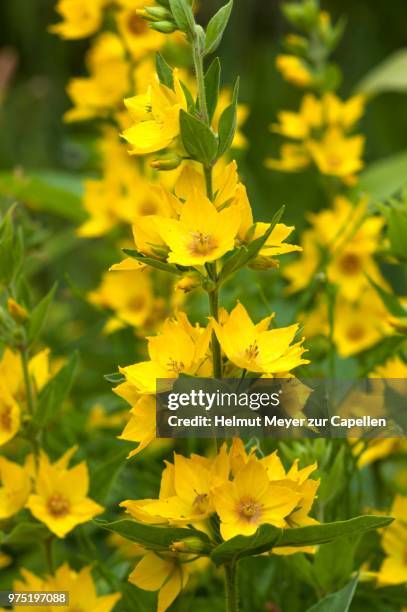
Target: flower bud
[[165, 27], [189, 282], [19, 313], [263, 263], [158, 13], [167, 163], [189, 545]]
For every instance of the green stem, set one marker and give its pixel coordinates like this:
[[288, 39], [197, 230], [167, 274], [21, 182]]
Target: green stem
[[200, 79], [48, 544], [216, 352], [232, 601], [27, 380]]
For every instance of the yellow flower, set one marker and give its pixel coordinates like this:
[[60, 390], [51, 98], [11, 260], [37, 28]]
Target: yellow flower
[[81, 588], [100, 418], [256, 348], [336, 154], [180, 347], [201, 234], [156, 117], [249, 231], [15, 486], [293, 157], [225, 182], [81, 18], [360, 325], [128, 294], [12, 377], [102, 92], [294, 70], [393, 368], [164, 574], [9, 415], [141, 427], [138, 37], [393, 570], [79, 585], [370, 451], [60, 499], [252, 500], [123, 193]]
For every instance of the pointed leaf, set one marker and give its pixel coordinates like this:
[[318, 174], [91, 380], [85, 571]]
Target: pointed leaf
[[199, 140], [104, 476], [164, 71], [339, 601], [154, 263], [246, 546], [389, 75], [212, 85], [183, 15], [216, 27], [39, 315], [228, 122], [152, 537], [389, 300]]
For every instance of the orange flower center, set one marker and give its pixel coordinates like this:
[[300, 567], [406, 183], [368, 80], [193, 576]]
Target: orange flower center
[[334, 161], [252, 351], [137, 303], [202, 244], [175, 366], [350, 264], [58, 505], [201, 502], [136, 24], [355, 332], [148, 207], [5, 419], [249, 510]]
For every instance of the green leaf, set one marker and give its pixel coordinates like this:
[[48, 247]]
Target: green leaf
[[25, 532], [39, 315], [238, 547], [154, 263], [212, 86], [58, 193], [333, 481], [199, 140], [339, 601], [227, 123], [164, 71], [333, 563], [389, 300], [104, 476], [152, 537], [268, 537], [11, 248], [115, 378], [389, 75], [242, 256], [385, 177], [183, 15], [55, 392], [396, 215], [325, 532], [216, 27]]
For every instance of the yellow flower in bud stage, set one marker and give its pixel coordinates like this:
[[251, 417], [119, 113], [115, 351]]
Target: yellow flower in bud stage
[[5, 561], [138, 37], [79, 585], [359, 325], [156, 117], [393, 570], [10, 416], [60, 499], [17, 311], [294, 70], [81, 18], [252, 500], [164, 573], [293, 157], [15, 486], [128, 294], [201, 234], [254, 347], [179, 348], [102, 92], [141, 427], [337, 155]]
